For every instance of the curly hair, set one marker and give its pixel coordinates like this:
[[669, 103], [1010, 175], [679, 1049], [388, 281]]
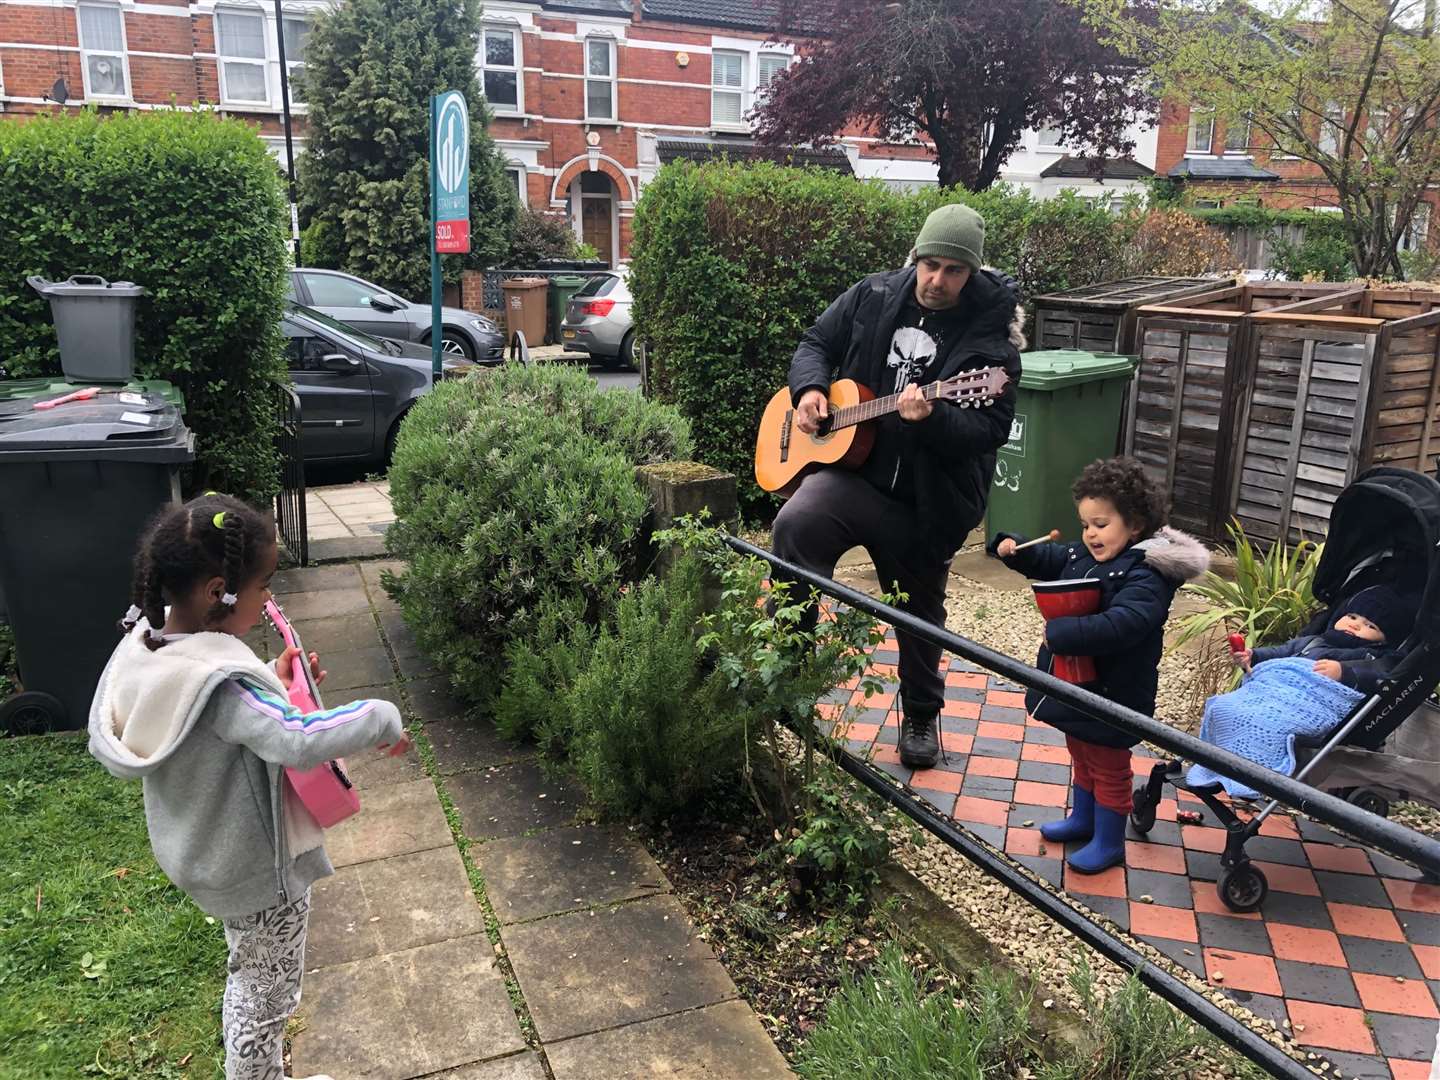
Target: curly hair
[[211, 536], [1125, 484]]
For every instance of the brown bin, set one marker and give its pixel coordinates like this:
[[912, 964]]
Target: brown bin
[[525, 308]]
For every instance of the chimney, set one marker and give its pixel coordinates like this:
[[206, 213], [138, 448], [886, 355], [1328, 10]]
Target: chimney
[[637, 11]]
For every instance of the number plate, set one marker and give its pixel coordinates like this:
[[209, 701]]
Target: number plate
[[567, 334]]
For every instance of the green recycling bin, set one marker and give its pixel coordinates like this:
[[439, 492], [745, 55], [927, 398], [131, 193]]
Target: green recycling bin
[[1067, 414], [562, 288]]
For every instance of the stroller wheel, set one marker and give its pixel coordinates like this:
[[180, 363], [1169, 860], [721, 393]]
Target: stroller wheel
[[1142, 813], [1243, 887], [31, 713], [1370, 800]]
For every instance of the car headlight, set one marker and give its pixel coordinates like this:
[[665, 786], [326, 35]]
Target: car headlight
[[482, 324]]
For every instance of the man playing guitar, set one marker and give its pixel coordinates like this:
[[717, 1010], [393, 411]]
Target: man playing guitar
[[924, 485]]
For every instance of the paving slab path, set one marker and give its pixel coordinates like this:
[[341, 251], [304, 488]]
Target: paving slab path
[[473, 930]]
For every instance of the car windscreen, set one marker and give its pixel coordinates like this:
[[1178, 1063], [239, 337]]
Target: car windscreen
[[598, 286], [352, 336]]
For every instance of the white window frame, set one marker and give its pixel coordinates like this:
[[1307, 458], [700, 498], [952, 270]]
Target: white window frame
[[736, 91], [290, 62], [612, 80], [263, 63], [518, 68], [123, 56], [1054, 147], [1199, 117], [522, 174], [1332, 129], [1231, 126], [1417, 231], [762, 91]]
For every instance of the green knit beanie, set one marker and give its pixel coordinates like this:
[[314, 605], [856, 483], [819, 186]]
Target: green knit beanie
[[953, 232]]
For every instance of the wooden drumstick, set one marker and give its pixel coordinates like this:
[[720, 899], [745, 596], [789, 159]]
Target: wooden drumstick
[[1054, 534]]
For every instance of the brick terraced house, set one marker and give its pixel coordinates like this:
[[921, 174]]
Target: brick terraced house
[[590, 97]]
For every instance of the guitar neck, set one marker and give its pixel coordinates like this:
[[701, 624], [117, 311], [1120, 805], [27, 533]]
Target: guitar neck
[[875, 408]]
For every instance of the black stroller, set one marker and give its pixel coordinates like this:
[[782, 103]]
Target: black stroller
[[1384, 529]]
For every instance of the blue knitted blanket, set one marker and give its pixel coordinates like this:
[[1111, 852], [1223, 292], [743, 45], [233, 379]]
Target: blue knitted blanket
[[1261, 717]]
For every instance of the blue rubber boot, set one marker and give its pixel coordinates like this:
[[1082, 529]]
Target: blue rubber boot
[[1079, 825], [1106, 847]]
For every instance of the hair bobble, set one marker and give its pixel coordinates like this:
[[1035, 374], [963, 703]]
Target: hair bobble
[[132, 616], [156, 635], [229, 599], [218, 520]]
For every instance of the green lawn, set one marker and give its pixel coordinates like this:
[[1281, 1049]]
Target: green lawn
[[105, 969]]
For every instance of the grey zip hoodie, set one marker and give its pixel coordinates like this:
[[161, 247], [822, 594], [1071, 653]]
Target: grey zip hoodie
[[210, 730]]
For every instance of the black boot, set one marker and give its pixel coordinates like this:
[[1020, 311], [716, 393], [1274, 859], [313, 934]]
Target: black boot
[[920, 741]]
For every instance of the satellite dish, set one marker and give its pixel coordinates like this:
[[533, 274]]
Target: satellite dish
[[59, 93]]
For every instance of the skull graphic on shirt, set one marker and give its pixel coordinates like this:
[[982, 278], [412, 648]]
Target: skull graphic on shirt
[[911, 351]]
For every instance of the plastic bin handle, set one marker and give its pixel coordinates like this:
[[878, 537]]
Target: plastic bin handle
[[38, 283], [87, 279]]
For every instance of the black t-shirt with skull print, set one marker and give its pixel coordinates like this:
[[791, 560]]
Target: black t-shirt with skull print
[[919, 338]]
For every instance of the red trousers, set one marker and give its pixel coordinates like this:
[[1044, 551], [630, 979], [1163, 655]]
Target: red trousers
[[1104, 771]]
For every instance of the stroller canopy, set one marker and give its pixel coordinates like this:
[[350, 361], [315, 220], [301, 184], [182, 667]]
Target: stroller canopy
[[1387, 510]]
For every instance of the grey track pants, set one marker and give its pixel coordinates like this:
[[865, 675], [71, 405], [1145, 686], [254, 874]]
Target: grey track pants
[[834, 511]]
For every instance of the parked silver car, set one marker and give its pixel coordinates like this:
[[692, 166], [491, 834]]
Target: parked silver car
[[354, 389], [597, 320], [378, 311]]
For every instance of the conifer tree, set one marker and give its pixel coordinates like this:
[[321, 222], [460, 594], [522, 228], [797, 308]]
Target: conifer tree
[[371, 67]]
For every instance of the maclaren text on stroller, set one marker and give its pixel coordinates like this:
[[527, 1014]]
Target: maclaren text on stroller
[[1384, 529]]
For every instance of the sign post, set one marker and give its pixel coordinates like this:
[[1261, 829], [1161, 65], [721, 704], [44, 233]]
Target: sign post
[[449, 199]]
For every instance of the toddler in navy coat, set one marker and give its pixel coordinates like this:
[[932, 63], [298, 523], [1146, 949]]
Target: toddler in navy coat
[[1140, 563]]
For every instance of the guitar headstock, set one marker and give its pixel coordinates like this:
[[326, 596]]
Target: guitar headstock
[[972, 389]]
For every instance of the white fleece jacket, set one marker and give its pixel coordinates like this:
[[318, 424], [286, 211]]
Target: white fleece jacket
[[210, 730]]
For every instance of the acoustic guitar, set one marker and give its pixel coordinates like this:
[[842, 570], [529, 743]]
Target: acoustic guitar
[[784, 454]]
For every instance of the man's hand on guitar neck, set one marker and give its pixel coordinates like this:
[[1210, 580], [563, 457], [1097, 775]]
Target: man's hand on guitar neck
[[911, 405], [812, 408]]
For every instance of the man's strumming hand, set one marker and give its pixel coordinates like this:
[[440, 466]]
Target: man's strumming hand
[[814, 407]]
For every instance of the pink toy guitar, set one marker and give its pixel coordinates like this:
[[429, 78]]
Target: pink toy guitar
[[326, 790]]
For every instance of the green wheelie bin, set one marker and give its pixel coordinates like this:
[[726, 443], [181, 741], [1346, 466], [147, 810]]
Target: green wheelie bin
[[562, 288], [1067, 414]]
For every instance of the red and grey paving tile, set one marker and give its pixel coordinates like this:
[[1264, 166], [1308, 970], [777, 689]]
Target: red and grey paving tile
[[1346, 947]]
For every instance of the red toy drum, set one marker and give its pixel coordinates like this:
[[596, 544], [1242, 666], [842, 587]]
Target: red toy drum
[[1058, 599]]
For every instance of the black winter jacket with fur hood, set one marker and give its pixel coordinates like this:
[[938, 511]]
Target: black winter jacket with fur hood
[[952, 451]]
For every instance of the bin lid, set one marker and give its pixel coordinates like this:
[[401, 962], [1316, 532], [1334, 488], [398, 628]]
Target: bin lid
[[1053, 369], [525, 283], [30, 389], [85, 285], [134, 427], [568, 281]]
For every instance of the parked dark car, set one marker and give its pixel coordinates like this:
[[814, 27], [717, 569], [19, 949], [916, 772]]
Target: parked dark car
[[378, 311], [354, 388]]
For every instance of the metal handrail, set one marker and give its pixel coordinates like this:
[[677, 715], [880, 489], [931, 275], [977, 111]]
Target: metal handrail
[[1193, 1004], [1399, 841]]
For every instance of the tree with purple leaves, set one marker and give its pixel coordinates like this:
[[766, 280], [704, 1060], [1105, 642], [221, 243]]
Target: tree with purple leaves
[[967, 76]]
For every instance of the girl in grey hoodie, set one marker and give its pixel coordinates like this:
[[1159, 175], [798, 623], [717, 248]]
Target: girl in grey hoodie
[[186, 706]]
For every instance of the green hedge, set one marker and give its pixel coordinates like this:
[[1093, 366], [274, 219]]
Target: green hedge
[[187, 204], [511, 488], [732, 263]]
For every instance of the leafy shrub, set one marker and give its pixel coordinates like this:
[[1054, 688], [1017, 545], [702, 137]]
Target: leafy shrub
[[1271, 599], [732, 263], [539, 236], [839, 848], [655, 726], [1172, 242], [510, 487], [187, 204], [1322, 254]]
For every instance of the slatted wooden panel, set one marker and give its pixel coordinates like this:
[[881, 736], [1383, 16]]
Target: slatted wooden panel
[[1178, 406], [1404, 427], [1093, 331], [1300, 429]]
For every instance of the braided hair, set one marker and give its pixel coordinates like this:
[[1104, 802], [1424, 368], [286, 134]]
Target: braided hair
[[210, 536]]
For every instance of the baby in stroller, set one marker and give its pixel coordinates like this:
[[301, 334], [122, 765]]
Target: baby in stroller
[[1304, 687]]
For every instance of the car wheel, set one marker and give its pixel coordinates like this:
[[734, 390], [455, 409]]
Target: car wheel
[[390, 438], [453, 343], [627, 350]]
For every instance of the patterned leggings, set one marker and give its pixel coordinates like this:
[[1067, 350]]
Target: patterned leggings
[[267, 959]]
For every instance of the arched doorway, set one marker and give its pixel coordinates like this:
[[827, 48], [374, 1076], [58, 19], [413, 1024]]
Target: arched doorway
[[593, 204]]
